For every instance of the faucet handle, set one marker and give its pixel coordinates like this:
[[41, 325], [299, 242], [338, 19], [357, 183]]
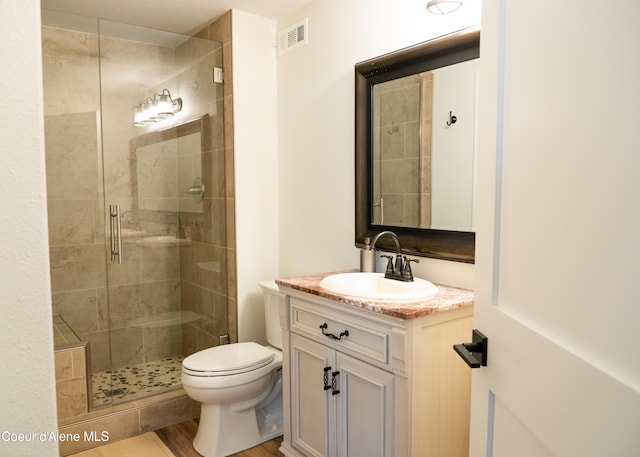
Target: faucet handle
[[389, 263], [406, 271]]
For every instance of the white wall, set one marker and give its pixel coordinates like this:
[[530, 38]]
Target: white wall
[[27, 391], [316, 126], [256, 165]]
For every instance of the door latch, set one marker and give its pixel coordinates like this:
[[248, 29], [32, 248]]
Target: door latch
[[475, 353]]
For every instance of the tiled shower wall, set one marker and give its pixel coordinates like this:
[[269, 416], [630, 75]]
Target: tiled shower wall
[[71, 381], [163, 301]]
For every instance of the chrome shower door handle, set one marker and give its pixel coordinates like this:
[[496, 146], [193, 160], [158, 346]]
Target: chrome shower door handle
[[119, 232], [112, 233], [116, 233]]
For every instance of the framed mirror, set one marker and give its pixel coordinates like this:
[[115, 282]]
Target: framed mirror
[[415, 146]]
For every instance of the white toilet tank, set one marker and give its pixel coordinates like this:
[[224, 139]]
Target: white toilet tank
[[271, 313]]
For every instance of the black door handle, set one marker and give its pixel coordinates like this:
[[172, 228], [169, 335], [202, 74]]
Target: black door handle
[[475, 353]]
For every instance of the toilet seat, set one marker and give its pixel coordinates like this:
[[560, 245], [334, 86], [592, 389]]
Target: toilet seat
[[227, 360]]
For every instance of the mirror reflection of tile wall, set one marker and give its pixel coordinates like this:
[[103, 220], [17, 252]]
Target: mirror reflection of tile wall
[[401, 154], [426, 127]]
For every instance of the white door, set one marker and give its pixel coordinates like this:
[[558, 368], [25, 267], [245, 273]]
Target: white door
[[558, 230]]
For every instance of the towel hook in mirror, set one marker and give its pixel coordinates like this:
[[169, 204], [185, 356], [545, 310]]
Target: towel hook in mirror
[[452, 119]]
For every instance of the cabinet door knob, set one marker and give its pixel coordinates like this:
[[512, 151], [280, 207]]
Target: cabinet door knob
[[475, 353]]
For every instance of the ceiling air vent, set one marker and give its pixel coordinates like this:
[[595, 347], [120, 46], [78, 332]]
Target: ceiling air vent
[[293, 37]]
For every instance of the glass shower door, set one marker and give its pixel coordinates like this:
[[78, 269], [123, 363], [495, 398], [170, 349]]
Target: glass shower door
[[157, 181]]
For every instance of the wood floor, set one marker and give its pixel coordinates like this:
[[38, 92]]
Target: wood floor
[[179, 439]]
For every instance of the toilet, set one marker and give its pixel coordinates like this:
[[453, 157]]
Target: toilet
[[239, 387]]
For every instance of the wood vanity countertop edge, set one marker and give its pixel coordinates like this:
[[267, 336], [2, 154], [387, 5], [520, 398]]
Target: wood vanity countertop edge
[[448, 298]]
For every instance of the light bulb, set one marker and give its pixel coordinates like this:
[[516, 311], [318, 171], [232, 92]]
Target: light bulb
[[138, 117], [164, 106], [147, 112]]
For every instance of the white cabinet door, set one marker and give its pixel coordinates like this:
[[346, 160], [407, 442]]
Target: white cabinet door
[[312, 406], [364, 409], [340, 406], [558, 219]]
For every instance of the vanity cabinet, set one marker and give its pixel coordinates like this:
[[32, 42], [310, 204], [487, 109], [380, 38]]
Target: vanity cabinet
[[339, 405], [358, 382]]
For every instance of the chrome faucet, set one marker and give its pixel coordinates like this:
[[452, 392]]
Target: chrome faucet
[[400, 269]]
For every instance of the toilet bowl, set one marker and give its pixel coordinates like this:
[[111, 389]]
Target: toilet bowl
[[239, 387]]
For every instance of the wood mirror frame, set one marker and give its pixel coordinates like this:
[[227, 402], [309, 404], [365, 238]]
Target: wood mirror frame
[[439, 52]]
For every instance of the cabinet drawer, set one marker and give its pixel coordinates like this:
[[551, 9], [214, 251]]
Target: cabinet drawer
[[367, 340]]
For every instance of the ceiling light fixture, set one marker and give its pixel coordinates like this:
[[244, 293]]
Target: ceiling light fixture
[[443, 6], [155, 109]]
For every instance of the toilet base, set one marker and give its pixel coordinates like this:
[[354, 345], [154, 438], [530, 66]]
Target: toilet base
[[222, 431]]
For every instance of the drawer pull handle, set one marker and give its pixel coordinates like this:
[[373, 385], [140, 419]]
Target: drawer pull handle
[[324, 326]]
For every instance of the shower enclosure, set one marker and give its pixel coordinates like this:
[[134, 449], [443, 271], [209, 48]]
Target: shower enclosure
[[137, 214]]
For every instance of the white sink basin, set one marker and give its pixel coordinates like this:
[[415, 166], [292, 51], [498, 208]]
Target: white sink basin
[[376, 286]]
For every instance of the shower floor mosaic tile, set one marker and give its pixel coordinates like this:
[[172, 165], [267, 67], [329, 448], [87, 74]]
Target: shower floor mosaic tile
[[136, 381]]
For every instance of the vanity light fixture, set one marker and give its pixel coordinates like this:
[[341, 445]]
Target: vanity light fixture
[[443, 6], [155, 109]]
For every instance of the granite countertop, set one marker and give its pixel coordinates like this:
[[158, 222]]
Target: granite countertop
[[447, 298]]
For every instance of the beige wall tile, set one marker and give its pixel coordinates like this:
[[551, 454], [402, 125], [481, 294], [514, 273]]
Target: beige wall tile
[[127, 346], [64, 365], [77, 267], [79, 309], [71, 222], [162, 340], [71, 396], [79, 360], [159, 263], [68, 44]]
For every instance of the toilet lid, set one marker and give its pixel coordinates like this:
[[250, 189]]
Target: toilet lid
[[229, 358]]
